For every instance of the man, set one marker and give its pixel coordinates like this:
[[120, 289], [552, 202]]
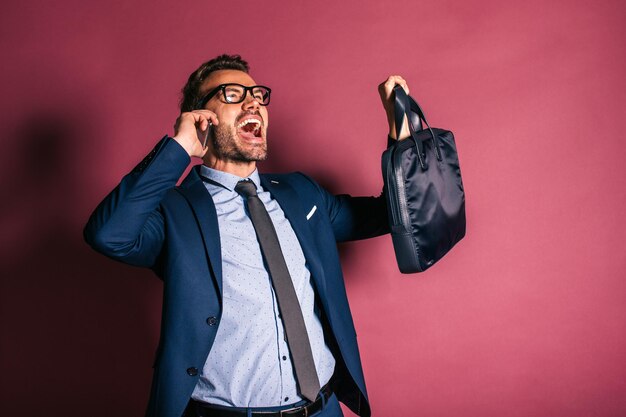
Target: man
[[255, 314]]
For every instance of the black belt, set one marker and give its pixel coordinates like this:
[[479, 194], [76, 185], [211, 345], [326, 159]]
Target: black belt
[[207, 410]]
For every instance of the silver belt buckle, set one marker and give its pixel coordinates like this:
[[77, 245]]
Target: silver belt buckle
[[294, 409]]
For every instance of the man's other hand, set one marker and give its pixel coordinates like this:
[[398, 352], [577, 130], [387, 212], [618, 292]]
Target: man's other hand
[[385, 89], [191, 130]]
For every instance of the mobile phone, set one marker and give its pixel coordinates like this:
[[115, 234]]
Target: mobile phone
[[209, 131]]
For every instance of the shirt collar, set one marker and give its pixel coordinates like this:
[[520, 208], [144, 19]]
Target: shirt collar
[[226, 180]]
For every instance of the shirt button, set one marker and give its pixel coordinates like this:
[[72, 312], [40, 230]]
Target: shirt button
[[193, 371], [284, 358], [211, 321], [286, 399]]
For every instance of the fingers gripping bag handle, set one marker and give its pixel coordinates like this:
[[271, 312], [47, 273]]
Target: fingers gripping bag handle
[[405, 105]]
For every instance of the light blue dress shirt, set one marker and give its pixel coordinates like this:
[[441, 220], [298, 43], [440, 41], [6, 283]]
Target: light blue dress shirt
[[249, 364]]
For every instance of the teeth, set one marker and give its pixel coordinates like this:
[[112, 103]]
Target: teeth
[[245, 122]]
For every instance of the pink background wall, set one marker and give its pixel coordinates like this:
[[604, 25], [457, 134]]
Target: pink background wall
[[526, 317]]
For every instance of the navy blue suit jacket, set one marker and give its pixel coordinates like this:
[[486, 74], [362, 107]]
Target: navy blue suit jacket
[[149, 221]]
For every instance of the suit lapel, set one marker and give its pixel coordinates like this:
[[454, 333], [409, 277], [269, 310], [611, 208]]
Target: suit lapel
[[201, 203], [290, 203]]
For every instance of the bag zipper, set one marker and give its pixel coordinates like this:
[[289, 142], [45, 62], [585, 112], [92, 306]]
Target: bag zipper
[[399, 211]]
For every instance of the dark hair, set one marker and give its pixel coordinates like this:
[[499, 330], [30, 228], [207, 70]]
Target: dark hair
[[191, 90]]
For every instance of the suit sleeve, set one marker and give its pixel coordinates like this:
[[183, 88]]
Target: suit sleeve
[[128, 224], [354, 218]]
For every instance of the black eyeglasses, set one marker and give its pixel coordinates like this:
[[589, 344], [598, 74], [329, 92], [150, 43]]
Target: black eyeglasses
[[236, 93]]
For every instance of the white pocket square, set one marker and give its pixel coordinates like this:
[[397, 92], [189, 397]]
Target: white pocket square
[[308, 216]]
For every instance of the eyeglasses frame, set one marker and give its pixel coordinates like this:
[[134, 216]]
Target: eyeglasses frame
[[222, 87]]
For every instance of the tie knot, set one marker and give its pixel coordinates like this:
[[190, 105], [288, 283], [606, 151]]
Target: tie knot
[[246, 188]]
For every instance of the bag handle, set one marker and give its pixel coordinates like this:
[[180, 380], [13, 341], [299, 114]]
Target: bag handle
[[406, 106]]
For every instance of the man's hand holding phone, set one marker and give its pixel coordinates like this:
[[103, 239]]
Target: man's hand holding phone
[[192, 131]]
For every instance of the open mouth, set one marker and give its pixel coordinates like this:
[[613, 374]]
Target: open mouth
[[250, 128]]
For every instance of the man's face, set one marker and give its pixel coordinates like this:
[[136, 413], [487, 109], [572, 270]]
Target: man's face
[[238, 137]]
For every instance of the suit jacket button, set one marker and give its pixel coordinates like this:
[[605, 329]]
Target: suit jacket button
[[211, 321], [193, 371]]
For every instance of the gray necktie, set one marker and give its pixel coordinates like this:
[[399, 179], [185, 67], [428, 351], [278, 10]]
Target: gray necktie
[[295, 329]]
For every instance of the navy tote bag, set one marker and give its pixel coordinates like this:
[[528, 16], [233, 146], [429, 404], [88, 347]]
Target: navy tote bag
[[423, 188]]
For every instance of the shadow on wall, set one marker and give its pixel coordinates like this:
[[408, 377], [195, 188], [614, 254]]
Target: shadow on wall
[[78, 330]]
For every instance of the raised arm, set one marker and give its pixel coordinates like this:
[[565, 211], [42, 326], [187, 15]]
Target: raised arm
[[128, 225]]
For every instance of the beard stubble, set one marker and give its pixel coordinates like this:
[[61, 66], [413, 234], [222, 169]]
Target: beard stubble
[[227, 147]]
